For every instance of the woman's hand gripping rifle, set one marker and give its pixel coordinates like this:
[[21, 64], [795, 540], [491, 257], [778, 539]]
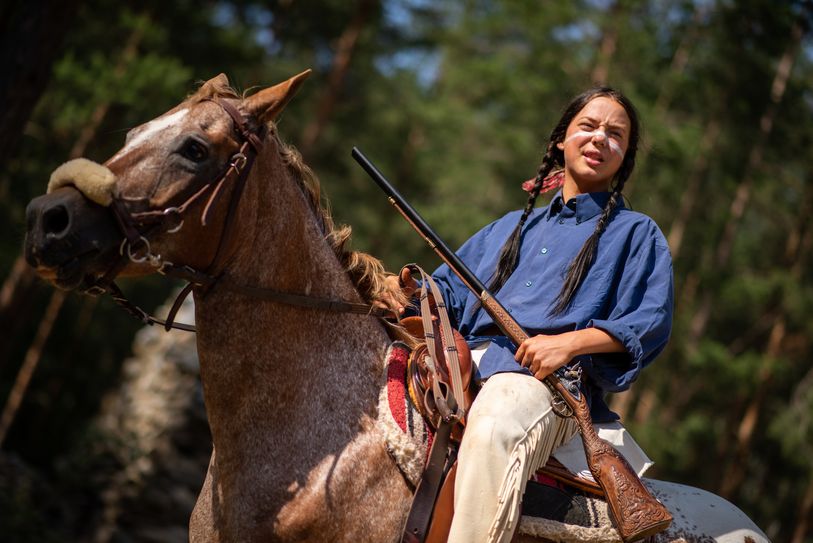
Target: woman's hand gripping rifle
[[635, 513]]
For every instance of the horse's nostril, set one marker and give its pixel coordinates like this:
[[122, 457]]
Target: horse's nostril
[[56, 220]]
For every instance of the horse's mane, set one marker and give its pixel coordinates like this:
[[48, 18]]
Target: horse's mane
[[366, 272]]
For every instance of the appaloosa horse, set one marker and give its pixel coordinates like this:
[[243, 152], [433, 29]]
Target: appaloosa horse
[[209, 193]]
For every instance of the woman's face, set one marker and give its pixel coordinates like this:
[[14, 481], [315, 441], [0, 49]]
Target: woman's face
[[595, 143]]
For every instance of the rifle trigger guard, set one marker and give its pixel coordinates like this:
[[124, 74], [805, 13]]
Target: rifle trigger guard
[[560, 407], [570, 378]]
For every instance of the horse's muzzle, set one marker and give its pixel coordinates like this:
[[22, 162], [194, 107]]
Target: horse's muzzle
[[69, 239]]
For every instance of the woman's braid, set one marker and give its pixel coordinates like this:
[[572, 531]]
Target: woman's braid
[[509, 254], [581, 264]]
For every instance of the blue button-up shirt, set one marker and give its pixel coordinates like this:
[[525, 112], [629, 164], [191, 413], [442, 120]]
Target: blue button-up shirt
[[627, 292]]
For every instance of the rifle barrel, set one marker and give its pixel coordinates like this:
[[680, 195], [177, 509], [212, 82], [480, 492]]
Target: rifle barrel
[[421, 225]]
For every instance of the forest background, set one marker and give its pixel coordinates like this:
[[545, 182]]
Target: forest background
[[454, 100]]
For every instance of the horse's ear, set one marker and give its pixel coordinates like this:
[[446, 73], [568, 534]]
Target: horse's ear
[[268, 103], [211, 87]]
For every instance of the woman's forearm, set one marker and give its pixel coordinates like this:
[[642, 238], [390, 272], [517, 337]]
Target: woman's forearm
[[593, 340], [543, 354]]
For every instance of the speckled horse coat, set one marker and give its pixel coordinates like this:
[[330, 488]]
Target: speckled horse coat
[[291, 393]]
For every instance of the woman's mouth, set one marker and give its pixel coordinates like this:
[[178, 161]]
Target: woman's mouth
[[592, 158]]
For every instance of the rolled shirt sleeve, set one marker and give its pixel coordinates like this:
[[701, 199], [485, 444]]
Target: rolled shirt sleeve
[[641, 317]]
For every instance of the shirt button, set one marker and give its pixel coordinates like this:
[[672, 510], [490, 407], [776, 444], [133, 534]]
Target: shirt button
[[543, 250], [528, 283], [561, 221]]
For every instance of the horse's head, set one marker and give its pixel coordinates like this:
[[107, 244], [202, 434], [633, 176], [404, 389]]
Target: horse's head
[[165, 197]]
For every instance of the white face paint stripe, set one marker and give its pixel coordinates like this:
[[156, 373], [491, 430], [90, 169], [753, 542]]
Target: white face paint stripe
[[153, 127], [614, 147]]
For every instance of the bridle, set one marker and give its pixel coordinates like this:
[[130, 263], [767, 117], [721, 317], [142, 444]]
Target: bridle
[[138, 228]]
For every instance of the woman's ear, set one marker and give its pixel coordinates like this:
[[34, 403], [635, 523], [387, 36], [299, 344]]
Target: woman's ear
[[560, 146]]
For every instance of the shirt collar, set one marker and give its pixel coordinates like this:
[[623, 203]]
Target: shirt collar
[[583, 206]]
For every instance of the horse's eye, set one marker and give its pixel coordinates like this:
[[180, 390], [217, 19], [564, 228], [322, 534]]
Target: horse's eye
[[195, 151]]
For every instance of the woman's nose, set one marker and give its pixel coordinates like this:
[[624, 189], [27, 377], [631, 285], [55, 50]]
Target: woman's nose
[[600, 136]]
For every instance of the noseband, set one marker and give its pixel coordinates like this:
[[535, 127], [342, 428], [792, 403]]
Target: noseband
[[138, 228]]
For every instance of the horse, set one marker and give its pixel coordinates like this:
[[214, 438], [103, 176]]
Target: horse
[[209, 192]]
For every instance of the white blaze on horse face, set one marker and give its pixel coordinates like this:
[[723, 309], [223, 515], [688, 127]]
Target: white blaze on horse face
[[151, 129], [585, 136]]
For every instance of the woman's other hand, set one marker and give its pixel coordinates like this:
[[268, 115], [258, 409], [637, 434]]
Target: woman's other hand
[[397, 291]]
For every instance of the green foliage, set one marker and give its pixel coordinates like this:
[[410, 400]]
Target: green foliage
[[29, 511], [793, 426]]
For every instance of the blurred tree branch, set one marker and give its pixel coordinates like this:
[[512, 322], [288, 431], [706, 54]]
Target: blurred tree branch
[[31, 33]]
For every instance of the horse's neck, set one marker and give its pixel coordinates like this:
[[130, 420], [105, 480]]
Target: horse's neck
[[270, 369]]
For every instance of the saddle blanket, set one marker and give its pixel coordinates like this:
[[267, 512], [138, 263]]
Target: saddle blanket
[[408, 436]]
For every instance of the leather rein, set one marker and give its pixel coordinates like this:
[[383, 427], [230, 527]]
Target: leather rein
[[139, 227]]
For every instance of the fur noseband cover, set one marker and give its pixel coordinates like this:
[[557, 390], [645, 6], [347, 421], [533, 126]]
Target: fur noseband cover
[[90, 178]]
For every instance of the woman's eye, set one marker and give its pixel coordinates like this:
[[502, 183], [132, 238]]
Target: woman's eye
[[195, 151]]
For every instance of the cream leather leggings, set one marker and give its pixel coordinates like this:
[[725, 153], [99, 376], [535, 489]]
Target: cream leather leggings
[[510, 432]]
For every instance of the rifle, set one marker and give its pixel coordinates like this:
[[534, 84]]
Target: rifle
[[635, 513]]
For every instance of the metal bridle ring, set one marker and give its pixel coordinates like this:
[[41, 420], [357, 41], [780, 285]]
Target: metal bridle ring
[[95, 290], [177, 212], [133, 255], [162, 267], [176, 229], [239, 161]]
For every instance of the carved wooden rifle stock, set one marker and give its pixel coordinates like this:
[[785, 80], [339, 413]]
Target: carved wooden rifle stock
[[634, 511]]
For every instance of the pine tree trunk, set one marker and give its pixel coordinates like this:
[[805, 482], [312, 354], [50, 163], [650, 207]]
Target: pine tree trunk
[[16, 295], [644, 406], [620, 403], [804, 516], [797, 250], [680, 59], [668, 86], [637, 403], [341, 64], [609, 41], [690, 195], [30, 36], [743, 195], [32, 358], [15, 303]]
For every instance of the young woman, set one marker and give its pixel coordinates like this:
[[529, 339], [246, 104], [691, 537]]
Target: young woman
[[591, 282]]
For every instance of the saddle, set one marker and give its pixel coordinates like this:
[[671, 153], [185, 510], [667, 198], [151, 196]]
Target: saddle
[[422, 380], [440, 386]]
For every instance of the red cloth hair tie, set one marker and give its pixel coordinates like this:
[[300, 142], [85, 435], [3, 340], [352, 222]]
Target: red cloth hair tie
[[554, 180]]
